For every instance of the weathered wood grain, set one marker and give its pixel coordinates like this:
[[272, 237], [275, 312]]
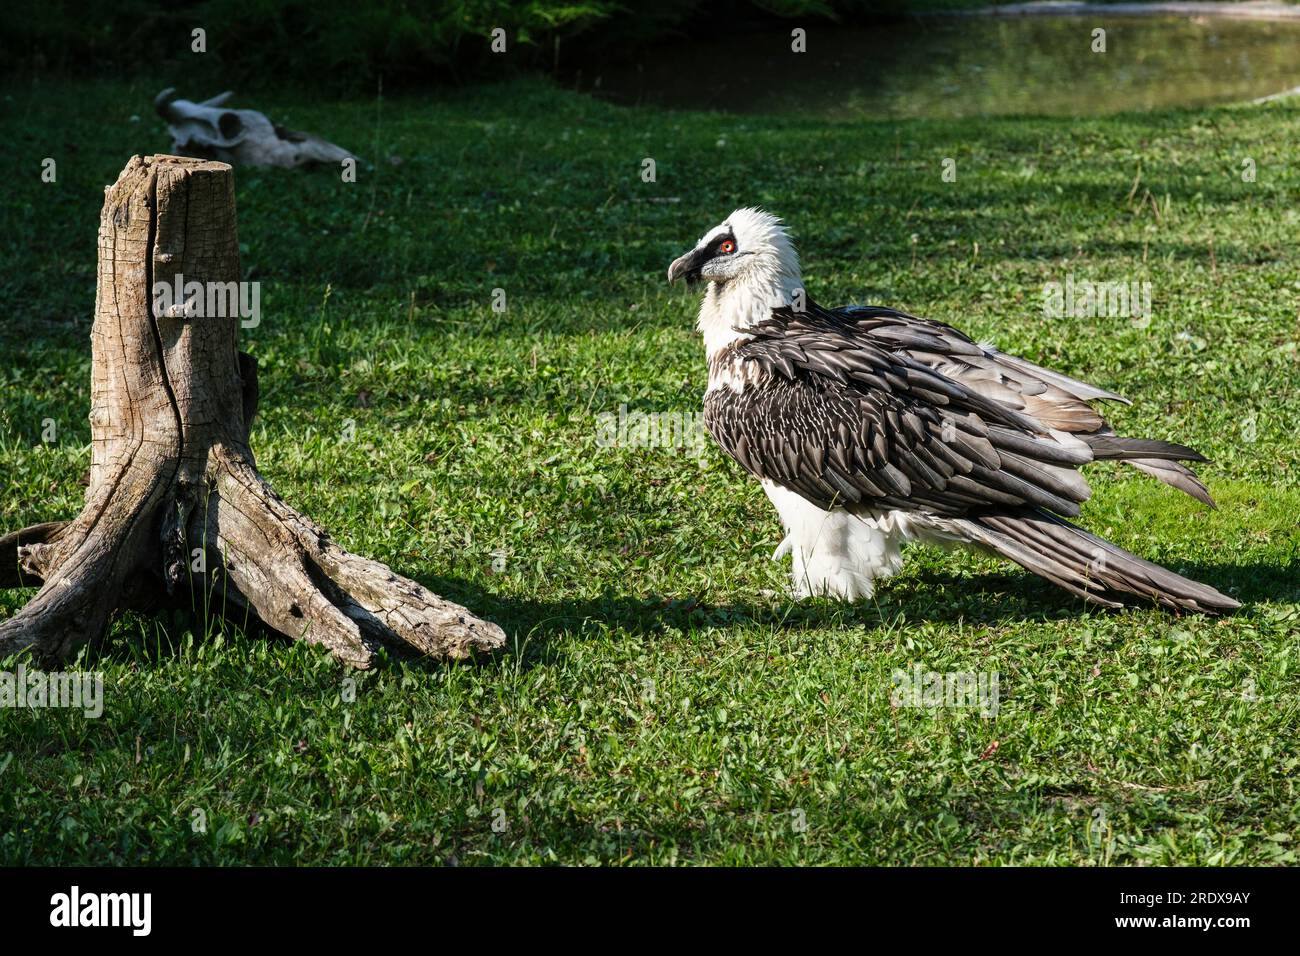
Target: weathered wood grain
[[176, 512]]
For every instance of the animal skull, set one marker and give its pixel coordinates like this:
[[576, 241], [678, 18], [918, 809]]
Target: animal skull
[[239, 137]]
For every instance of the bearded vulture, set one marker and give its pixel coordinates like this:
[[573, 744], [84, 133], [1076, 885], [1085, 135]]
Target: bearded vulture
[[870, 428]]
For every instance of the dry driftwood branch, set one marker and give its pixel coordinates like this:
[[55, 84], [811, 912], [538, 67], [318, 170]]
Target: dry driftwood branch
[[176, 512], [208, 130]]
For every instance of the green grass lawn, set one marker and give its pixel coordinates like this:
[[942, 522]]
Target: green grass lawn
[[660, 701]]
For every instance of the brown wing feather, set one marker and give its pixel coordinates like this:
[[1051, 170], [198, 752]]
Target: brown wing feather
[[1057, 400], [843, 420]]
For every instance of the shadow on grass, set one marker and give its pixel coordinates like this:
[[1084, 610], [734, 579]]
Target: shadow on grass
[[532, 626], [992, 600]]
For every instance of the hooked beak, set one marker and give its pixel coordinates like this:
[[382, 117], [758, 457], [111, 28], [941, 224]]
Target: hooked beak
[[687, 267]]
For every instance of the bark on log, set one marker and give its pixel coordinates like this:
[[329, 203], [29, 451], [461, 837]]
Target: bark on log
[[176, 512]]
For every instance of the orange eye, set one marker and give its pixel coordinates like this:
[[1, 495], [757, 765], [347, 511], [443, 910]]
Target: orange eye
[[727, 247]]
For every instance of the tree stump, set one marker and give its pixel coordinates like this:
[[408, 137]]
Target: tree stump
[[176, 512]]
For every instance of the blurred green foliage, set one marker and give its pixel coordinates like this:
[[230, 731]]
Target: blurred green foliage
[[343, 45]]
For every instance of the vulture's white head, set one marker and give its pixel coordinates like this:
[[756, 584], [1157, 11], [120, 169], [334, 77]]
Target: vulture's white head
[[751, 267], [750, 244]]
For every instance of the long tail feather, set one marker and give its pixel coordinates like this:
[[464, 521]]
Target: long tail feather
[[1175, 475], [1087, 565], [1159, 459], [1119, 447]]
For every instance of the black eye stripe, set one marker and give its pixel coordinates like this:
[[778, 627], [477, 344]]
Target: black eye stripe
[[716, 245]]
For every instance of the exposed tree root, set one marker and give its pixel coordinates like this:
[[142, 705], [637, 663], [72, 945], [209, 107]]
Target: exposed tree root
[[176, 513]]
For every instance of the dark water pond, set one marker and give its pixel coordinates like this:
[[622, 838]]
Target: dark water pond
[[950, 67]]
